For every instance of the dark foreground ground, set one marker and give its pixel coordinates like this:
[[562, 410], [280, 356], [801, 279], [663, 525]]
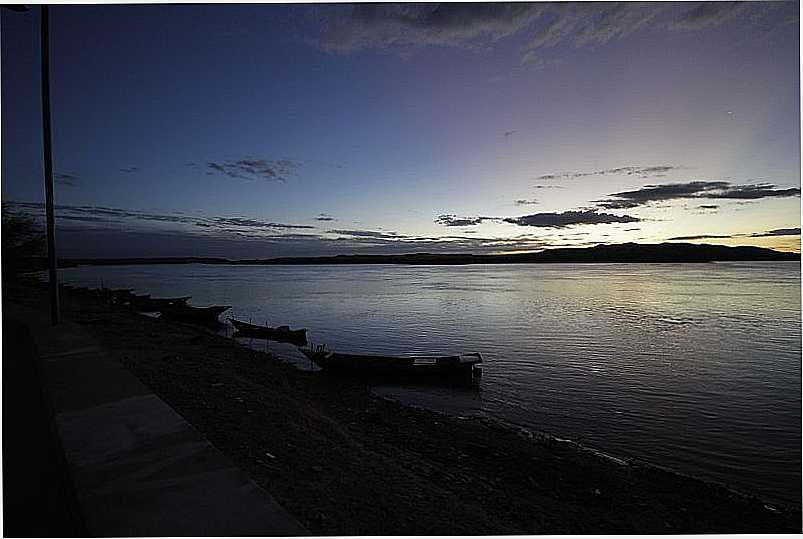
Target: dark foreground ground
[[346, 463]]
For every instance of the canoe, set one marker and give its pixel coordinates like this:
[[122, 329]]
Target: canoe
[[280, 334], [198, 315], [412, 365], [149, 304], [115, 295]]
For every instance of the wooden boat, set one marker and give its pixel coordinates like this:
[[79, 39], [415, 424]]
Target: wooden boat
[[198, 315], [115, 295], [148, 304], [280, 334], [464, 365]]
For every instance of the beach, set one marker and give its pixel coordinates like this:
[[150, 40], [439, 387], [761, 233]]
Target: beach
[[345, 462]]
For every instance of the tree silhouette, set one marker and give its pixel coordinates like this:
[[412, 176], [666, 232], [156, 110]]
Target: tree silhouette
[[23, 244]]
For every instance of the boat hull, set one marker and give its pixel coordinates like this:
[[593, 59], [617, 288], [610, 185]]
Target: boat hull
[[157, 304], [298, 336], [197, 315], [465, 365]]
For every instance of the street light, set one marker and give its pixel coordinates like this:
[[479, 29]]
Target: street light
[[48, 160]]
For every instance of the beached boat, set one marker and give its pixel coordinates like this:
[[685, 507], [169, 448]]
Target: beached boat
[[149, 304], [466, 365], [115, 295], [280, 334], [198, 315]]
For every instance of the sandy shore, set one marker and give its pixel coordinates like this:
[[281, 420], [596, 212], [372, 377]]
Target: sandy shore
[[345, 462]]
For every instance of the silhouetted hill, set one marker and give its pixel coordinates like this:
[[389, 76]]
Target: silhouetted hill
[[625, 252]]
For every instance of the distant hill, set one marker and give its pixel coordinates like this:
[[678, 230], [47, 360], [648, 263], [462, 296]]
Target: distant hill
[[625, 252]]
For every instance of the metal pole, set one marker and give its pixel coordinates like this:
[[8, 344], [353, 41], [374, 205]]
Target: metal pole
[[48, 166]]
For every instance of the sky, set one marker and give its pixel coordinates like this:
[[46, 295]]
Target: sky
[[253, 131]]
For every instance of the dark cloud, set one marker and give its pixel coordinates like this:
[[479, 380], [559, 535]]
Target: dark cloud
[[643, 172], [118, 243], [324, 217], [753, 192], [569, 218], [770, 233], [85, 218], [256, 169], [777, 232], [708, 206], [541, 186], [539, 27], [589, 24], [525, 202], [254, 223], [691, 190], [707, 14], [366, 233], [129, 170], [700, 237], [134, 218], [454, 220], [410, 26]]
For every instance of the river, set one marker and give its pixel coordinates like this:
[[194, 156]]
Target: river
[[694, 367]]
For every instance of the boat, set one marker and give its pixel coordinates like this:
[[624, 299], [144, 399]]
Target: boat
[[198, 315], [460, 365], [115, 295], [280, 334], [148, 304]]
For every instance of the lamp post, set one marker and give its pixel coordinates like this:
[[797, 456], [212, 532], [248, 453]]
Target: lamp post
[[48, 158], [48, 169]]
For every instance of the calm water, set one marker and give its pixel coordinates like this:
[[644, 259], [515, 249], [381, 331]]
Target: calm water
[[693, 367]]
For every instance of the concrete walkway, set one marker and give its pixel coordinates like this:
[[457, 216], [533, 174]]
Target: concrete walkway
[[136, 466]]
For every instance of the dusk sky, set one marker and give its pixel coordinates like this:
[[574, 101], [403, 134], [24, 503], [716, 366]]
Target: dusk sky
[[270, 130]]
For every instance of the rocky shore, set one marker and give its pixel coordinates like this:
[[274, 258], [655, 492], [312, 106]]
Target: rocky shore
[[345, 462]]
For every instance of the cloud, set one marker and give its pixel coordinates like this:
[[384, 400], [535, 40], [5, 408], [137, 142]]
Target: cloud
[[770, 233], [138, 219], [454, 220], [589, 24], [129, 170], [110, 242], [777, 232], [256, 169], [693, 190], [65, 179], [525, 202], [411, 26], [707, 14], [708, 206], [254, 223], [538, 27], [700, 237], [541, 186], [569, 218], [643, 172], [366, 233], [85, 218], [324, 217]]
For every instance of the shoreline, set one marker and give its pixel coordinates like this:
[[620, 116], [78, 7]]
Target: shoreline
[[347, 462]]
